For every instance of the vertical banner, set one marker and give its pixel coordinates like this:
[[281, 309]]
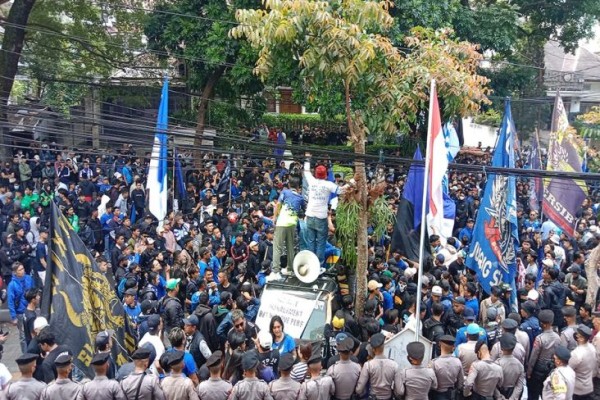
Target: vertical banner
[[563, 197], [157, 170], [495, 237], [80, 300]]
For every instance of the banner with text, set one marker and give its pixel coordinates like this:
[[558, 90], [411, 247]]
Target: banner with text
[[294, 311], [563, 197]]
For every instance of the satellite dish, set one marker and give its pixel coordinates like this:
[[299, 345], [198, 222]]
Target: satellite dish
[[307, 266]]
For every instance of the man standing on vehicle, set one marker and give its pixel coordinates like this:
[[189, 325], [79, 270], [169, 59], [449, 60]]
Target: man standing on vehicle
[[289, 207], [319, 192]]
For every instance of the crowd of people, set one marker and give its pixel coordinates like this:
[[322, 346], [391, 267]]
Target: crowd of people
[[191, 283]]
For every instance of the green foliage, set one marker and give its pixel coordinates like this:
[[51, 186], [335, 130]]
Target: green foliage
[[346, 216], [203, 43], [62, 96], [69, 39], [490, 117], [291, 122], [229, 117], [381, 217]]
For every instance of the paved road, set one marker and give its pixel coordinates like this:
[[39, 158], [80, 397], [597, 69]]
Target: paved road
[[12, 350]]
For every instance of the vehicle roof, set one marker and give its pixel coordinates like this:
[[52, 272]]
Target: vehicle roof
[[290, 282]]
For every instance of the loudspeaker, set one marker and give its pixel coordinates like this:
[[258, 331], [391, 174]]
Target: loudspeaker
[[307, 266]]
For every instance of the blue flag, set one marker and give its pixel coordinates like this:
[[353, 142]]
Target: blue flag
[[413, 189], [223, 186], [180, 182], [495, 237], [406, 235], [157, 170]]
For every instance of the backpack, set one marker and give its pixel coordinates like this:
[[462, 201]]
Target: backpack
[[265, 372]]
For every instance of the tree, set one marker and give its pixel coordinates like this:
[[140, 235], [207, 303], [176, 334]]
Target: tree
[[341, 46], [79, 41], [12, 45], [196, 33]]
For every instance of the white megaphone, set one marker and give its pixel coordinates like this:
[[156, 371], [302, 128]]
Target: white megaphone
[[307, 266]]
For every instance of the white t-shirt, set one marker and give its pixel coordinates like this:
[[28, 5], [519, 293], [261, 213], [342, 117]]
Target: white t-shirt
[[159, 347], [5, 376], [319, 191]]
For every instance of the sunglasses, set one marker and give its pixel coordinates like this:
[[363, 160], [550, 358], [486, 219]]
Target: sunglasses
[[239, 325]]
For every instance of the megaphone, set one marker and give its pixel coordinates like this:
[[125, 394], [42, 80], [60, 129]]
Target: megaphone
[[307, 266]]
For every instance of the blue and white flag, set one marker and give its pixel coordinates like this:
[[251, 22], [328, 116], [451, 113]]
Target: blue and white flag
[[157, 170], [495, 237], [223, 186]]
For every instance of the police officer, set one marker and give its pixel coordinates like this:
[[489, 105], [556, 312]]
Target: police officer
[[251, 388], [214, 388], [514, 372], [466, 351], [560, 384], [379, 373], [540, 361], [344, 372], [509, 326], [448, 371], [583, 362], [63, 387], [484, 375], [101, 387], [417, 380], [567, 336], [285, 388], [177, 386], [26, 388], [141, 385], [318, 387]]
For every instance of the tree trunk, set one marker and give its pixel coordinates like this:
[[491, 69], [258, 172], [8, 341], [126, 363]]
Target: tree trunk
[[12, 43], [357, 136], [207, 94]]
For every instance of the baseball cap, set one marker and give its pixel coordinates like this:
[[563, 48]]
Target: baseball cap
[[191, 320], [469, 314], [40, 323], [172, 283], [373, 284], [473, 329], [436, 291], [103, 337], [265, 340]]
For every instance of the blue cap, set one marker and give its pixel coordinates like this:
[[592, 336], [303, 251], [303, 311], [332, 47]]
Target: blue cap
[[472, 329], [469, 314]]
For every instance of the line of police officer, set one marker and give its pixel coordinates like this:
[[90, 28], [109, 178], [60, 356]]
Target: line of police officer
[[553, 372]]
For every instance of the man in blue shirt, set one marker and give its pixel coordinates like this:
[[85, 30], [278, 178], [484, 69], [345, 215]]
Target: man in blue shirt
[[461, 334], [388, 300], [132, 308], [467, 231]]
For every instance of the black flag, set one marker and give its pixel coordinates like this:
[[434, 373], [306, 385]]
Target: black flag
[[79, 298]]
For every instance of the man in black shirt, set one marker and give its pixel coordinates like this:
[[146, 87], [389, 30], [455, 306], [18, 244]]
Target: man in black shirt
[[47, 342], [33, 300]]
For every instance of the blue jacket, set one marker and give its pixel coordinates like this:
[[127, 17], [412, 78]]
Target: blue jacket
[[473, 304], [461, 337], [16, 294], [531, 326]]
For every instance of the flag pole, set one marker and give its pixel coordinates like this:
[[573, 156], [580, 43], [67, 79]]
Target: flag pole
[[423, 215], [173, 182]]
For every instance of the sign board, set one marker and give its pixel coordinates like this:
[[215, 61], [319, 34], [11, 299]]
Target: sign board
[[395, 347], [293, 310]]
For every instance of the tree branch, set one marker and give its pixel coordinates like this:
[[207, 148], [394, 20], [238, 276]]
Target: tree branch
[[85, 45]]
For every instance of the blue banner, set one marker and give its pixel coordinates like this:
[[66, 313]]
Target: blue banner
[[495, 237]]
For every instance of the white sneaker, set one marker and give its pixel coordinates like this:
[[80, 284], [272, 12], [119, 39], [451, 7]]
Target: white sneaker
[[274, 276], [285, 271]]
